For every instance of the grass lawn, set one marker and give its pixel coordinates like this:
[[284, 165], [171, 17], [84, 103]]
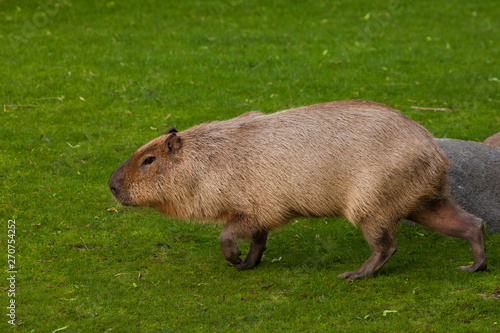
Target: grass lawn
[[85, 83]]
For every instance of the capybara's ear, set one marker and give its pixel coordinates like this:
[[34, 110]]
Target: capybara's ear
[[173, 143], [172, 130]]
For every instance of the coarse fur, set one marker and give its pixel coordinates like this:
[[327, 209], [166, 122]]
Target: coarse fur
[[357, 159]]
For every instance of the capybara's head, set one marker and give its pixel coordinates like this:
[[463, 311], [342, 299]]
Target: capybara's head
[[143, 178]]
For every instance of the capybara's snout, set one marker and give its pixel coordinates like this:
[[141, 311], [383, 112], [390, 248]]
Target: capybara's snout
[[117, 185], [114, 186]]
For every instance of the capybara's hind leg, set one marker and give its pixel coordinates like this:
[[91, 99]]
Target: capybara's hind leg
[[383, 244], [445, 217], [257, 248]]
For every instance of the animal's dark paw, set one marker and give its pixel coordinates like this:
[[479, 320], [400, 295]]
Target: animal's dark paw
[[235, 262], [245, 265]]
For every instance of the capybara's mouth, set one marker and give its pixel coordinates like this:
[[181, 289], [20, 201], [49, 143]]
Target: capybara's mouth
[[122, 199], [125, 202]]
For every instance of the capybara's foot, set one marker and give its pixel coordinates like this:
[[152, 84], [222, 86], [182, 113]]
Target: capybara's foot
[[252, 259], [357, 274], [245, 265], [475, 267], [234, 262], [257, 248], [231, 252], [234, 259]]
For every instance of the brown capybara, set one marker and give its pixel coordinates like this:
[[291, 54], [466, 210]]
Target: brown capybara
[[493, 140], [357, 159]]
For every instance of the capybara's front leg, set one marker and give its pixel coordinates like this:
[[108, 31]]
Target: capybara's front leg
[[257, 248], [229, 245]]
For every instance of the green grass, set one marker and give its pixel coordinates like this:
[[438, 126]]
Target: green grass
[[108, 76]]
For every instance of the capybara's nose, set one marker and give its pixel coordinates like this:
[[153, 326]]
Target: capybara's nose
[[114, 184]]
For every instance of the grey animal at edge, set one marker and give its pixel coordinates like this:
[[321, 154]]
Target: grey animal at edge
[[474, 179]]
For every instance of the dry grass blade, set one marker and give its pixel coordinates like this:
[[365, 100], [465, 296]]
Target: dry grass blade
[[431, 109]]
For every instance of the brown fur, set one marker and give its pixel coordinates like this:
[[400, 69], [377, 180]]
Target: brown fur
[[357, 159], [493, 140]]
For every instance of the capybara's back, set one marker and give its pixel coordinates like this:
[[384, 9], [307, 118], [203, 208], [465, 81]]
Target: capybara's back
[[324, 160], [361, 160]]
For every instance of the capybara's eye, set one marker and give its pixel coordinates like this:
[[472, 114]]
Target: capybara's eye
[[149, 160]]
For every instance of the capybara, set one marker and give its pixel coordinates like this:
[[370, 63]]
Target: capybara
[[493, 140], [357, 159]]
